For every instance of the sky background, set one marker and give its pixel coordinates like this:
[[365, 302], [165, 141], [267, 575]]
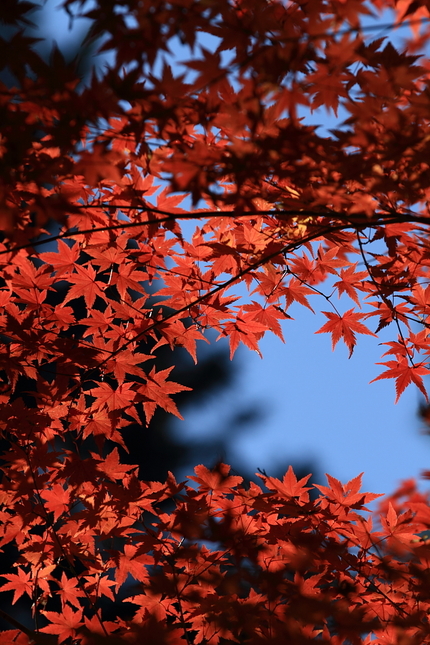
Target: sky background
[[317, 406]]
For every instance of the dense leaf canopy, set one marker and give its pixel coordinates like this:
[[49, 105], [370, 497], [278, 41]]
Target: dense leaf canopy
[[200, 119]]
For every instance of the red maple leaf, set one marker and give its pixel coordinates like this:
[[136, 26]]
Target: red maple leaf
[[63, 261], [57, 500], [155, 604], [20, 583], [100, 164], [296, 291], [84, 284], [289, 486], [130, 562], [348, 494], [344, 327], [112, 467], [217, 479], [405, 374], [350, 281], [245, 330], [268, 316], [100, 586], [118, 399], [64, 624], [70, 591], [157, 391]]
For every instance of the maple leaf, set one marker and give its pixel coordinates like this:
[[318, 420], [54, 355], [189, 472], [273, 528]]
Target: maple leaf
[[209, 67], [97, 321], [65, 624], [405, 374], [296, 291], [344, 327], [84, 284], [330, 87], [95, 626], [57, 500], [226, 258], [349, 282], [118, 399], [155, 604], [12, 527], [20, 583], [64, 260], [100, 164], [268, 316], [130, 562], [100, 586], [399, 525], [61, 316], [127, 363], [245, 330], [167, 202], [70, 591], [112, 467], [348, 494], [389, 313], [217, 479], [128, 278], [157, 390], [175, 333], [289, 487], [104, 423]]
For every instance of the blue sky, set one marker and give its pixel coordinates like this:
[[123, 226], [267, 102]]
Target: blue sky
[[318, 405]]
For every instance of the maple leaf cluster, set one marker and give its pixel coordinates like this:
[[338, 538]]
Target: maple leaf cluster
[[227, 564], [283, 216]]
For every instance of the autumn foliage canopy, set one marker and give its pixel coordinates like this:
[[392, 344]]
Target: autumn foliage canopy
[[184, 169]]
